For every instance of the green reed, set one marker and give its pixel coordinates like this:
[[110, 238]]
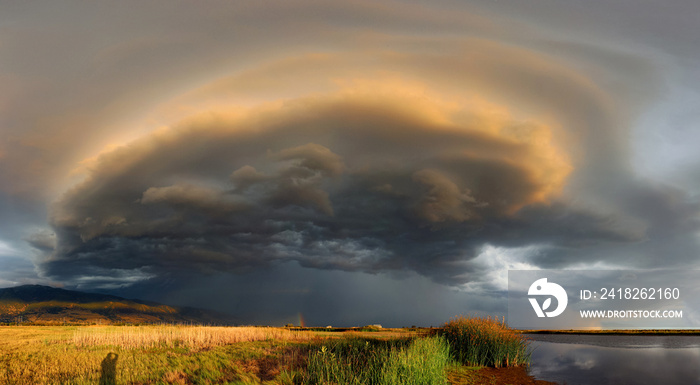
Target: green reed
[[379, 362]]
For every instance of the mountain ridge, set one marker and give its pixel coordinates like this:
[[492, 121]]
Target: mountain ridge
[[37, 304]]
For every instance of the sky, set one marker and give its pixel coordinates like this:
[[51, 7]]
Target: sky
[[344, 163]]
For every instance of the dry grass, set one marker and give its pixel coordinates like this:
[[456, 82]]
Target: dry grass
[[148, 354], [192, 337]]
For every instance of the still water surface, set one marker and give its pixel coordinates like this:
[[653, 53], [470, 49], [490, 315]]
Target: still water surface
[[618, 360]]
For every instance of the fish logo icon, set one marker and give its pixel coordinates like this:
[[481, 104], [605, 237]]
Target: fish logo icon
[[543, 288]]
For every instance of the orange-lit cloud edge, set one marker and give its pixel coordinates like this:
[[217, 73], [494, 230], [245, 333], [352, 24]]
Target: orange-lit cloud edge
[[274, 89]]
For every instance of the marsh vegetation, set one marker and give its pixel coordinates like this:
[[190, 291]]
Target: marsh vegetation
[[249, 355]]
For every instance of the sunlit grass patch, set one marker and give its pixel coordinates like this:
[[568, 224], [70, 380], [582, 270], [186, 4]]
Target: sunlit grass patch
[[61, 362], [123, 355], [192, 337]]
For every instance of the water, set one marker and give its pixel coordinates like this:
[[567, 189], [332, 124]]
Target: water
[[618, 360]]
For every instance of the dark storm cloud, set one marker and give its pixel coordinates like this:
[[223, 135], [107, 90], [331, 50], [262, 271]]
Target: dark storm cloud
[[465, 125], [345, 182], [382, 174]]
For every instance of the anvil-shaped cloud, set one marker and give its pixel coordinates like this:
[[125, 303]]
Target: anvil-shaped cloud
[[375, 176]]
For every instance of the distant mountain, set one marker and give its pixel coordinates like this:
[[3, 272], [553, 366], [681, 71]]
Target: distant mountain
[[49, 305]]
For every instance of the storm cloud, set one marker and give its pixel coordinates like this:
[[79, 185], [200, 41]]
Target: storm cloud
[[169, 151], [346, 181]]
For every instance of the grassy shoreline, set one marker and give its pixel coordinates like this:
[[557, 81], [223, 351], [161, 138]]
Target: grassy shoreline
[[231, 355], [688, 332], [183, 355]]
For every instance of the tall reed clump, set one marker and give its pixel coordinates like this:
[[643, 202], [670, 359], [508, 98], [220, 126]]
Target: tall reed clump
[[485, 342], [379, 362]]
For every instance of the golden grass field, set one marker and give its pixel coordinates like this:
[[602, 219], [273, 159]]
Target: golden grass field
[[154, 354], [140, 355]]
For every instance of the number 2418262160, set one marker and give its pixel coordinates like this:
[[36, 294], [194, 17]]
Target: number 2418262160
[[667, 293]]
